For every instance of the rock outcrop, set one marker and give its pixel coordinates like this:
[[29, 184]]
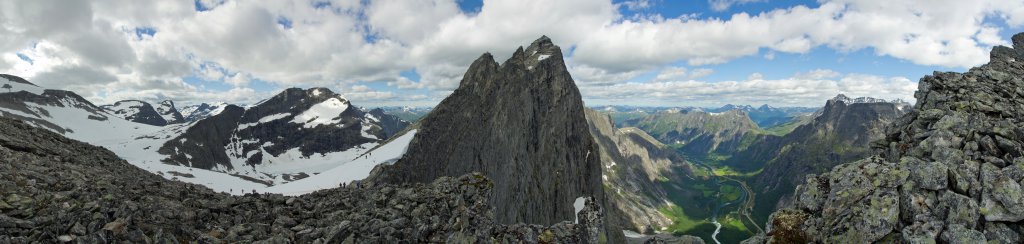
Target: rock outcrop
[[950, 171], [520, 123], [57, 190]]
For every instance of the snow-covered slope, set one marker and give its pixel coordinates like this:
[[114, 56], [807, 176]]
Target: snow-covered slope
[[296, 135], [67, 113], [293, 135], [356, 168]]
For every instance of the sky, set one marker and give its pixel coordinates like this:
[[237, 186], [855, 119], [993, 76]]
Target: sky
[[414, 52]]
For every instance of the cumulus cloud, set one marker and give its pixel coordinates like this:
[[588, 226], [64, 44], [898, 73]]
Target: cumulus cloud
[[681, 73], [671, 73], [722, 5], [700, 73], [637, 4], [817, 74], [95, 48], [792, 91]]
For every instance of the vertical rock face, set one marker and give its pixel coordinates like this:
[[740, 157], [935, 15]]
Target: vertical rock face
[[136, 111], [520, 123], [949, 171], [633, 161]]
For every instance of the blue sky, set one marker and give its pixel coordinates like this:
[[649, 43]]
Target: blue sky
[[413, 52]]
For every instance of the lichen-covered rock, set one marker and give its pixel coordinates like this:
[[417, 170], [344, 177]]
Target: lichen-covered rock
[[1001, 233], [955, 169], [58, 190], [958, 234]]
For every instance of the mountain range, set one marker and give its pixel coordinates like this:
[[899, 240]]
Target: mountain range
[[514, 155]]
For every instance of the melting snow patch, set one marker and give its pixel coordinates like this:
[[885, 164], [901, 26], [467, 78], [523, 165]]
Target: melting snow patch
[[543, 57], [322, 113], [265, 119], [356, 169], [578, 206]]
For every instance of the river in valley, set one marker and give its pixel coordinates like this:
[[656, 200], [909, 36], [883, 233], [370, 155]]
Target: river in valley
[[721, 181]]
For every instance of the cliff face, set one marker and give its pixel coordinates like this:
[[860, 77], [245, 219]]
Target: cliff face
[[951, 170], [633, 161], [520, 123]]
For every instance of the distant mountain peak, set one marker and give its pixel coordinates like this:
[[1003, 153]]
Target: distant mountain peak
[[847, 100], [136, 111]]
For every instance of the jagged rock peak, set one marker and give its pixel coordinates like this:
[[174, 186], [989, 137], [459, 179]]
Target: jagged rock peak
[[1008, 54], [535, 54], [522, 124]]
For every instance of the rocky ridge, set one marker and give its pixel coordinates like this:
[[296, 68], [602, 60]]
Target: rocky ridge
[[949, 171], [520, 123], [57, 190]]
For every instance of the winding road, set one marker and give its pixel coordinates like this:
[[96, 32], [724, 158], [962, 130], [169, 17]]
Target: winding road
[[747, 199]]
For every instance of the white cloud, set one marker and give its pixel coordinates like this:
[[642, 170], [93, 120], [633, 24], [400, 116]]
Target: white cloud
[[92, 46], [637, 4], [681, 73], [755, 76], [700, 73], [783, 92], [817, 74], [238, 79], [409, 20], [722, 5], [671, 73]]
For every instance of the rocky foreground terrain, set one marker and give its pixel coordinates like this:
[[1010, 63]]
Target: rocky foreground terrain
[[54, 189], [950, 171]]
